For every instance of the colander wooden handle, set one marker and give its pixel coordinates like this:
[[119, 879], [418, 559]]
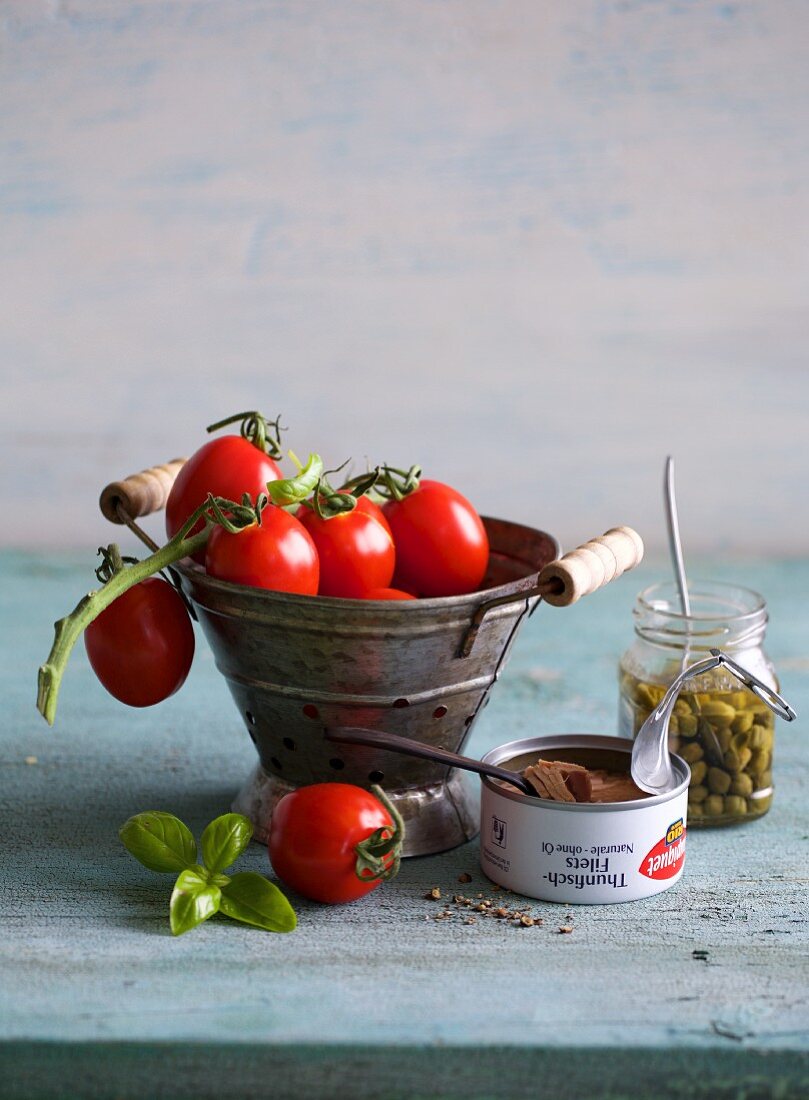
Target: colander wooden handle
[[575, 574], [590, 566], [140, 494]]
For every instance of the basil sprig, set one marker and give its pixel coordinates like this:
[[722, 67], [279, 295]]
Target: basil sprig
[[161, 842]]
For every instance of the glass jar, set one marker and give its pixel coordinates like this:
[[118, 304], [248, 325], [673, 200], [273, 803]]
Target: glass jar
[[721, 728]]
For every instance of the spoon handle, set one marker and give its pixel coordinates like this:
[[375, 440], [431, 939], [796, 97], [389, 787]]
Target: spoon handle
[[379, 739], [675, 542]]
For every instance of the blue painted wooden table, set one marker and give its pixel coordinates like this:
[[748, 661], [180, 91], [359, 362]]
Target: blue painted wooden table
[[701, 990]]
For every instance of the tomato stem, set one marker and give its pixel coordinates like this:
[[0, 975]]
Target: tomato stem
[[255, 428], [328, 502], [380, 854], [69, 629], [395, 484]]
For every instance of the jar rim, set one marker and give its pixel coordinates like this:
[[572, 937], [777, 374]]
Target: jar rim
[[747, 604]]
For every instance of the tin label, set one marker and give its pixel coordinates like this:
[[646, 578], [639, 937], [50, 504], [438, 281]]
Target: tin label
[[666, 858]]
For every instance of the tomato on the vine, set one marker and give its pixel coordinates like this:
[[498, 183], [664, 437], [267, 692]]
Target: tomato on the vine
[[355, 549], [277, 553], [441, 544], [229, 467], [142, 645], [334, 842]]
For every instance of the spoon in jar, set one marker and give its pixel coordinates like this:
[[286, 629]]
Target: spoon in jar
[[651, 760], [378, 739]]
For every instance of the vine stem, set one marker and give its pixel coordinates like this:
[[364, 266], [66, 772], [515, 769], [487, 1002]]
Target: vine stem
[[69, 629]]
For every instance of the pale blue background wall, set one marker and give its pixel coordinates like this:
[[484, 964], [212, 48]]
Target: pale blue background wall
[[533, 245]]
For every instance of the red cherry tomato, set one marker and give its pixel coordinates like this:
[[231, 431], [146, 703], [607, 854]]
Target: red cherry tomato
[[355, 549], [441, 544], [142, 645], [228, 466], [314, 835], [388, 594], [278, 553]]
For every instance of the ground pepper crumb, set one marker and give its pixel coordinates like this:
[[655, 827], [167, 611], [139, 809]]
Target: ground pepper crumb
[[566, 928], [464, 877]]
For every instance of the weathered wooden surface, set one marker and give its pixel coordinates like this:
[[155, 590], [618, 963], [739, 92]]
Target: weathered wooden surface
[[570, 233], [377, 999]]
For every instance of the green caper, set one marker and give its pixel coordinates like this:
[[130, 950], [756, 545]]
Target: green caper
[[688, 725], [648, 695], [698, 772], [718, 781], [732, 761], [742, 785], [760, 737], [695, 810], [697, 794], [713, 805], [754, 737], [691, 752], [719, 714], [724, 737], [742, 722], [764, 780], [759, 761], [740, 740], [741, 699], [735, 806]]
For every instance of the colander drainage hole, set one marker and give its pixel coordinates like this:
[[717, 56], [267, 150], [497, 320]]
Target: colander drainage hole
[[276, 763], [439, 712], [250, 717], [469, 720], [375, 777], [401, 703], [337, 763], [289, 744], [310, 710]]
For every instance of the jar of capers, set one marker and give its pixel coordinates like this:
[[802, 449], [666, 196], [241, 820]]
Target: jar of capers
[[720, 728]]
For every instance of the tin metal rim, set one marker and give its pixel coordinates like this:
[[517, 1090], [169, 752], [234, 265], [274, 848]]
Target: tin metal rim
[[510, 749]]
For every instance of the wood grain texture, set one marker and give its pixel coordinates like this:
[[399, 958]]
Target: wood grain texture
[[570, 237], [377, 998]]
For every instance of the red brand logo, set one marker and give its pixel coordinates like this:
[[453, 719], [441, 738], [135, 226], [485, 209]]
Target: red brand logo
[[666, 859]]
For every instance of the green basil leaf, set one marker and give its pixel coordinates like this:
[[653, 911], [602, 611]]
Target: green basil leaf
[[292, 490], [193, 900], [159, 841], [224, 840], [253, 899]]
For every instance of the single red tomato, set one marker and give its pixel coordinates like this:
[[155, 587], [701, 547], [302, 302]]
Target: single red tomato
[[441, 544], [320, 832], [388, 594], [229, 467], [142, 645], [355, 549], [278, 553]]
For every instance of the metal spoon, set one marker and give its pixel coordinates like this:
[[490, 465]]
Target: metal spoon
[[378, 739], [651, 761]]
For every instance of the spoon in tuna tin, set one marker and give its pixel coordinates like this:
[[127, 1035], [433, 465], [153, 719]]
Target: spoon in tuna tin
[[651, 761], [378, 739]]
